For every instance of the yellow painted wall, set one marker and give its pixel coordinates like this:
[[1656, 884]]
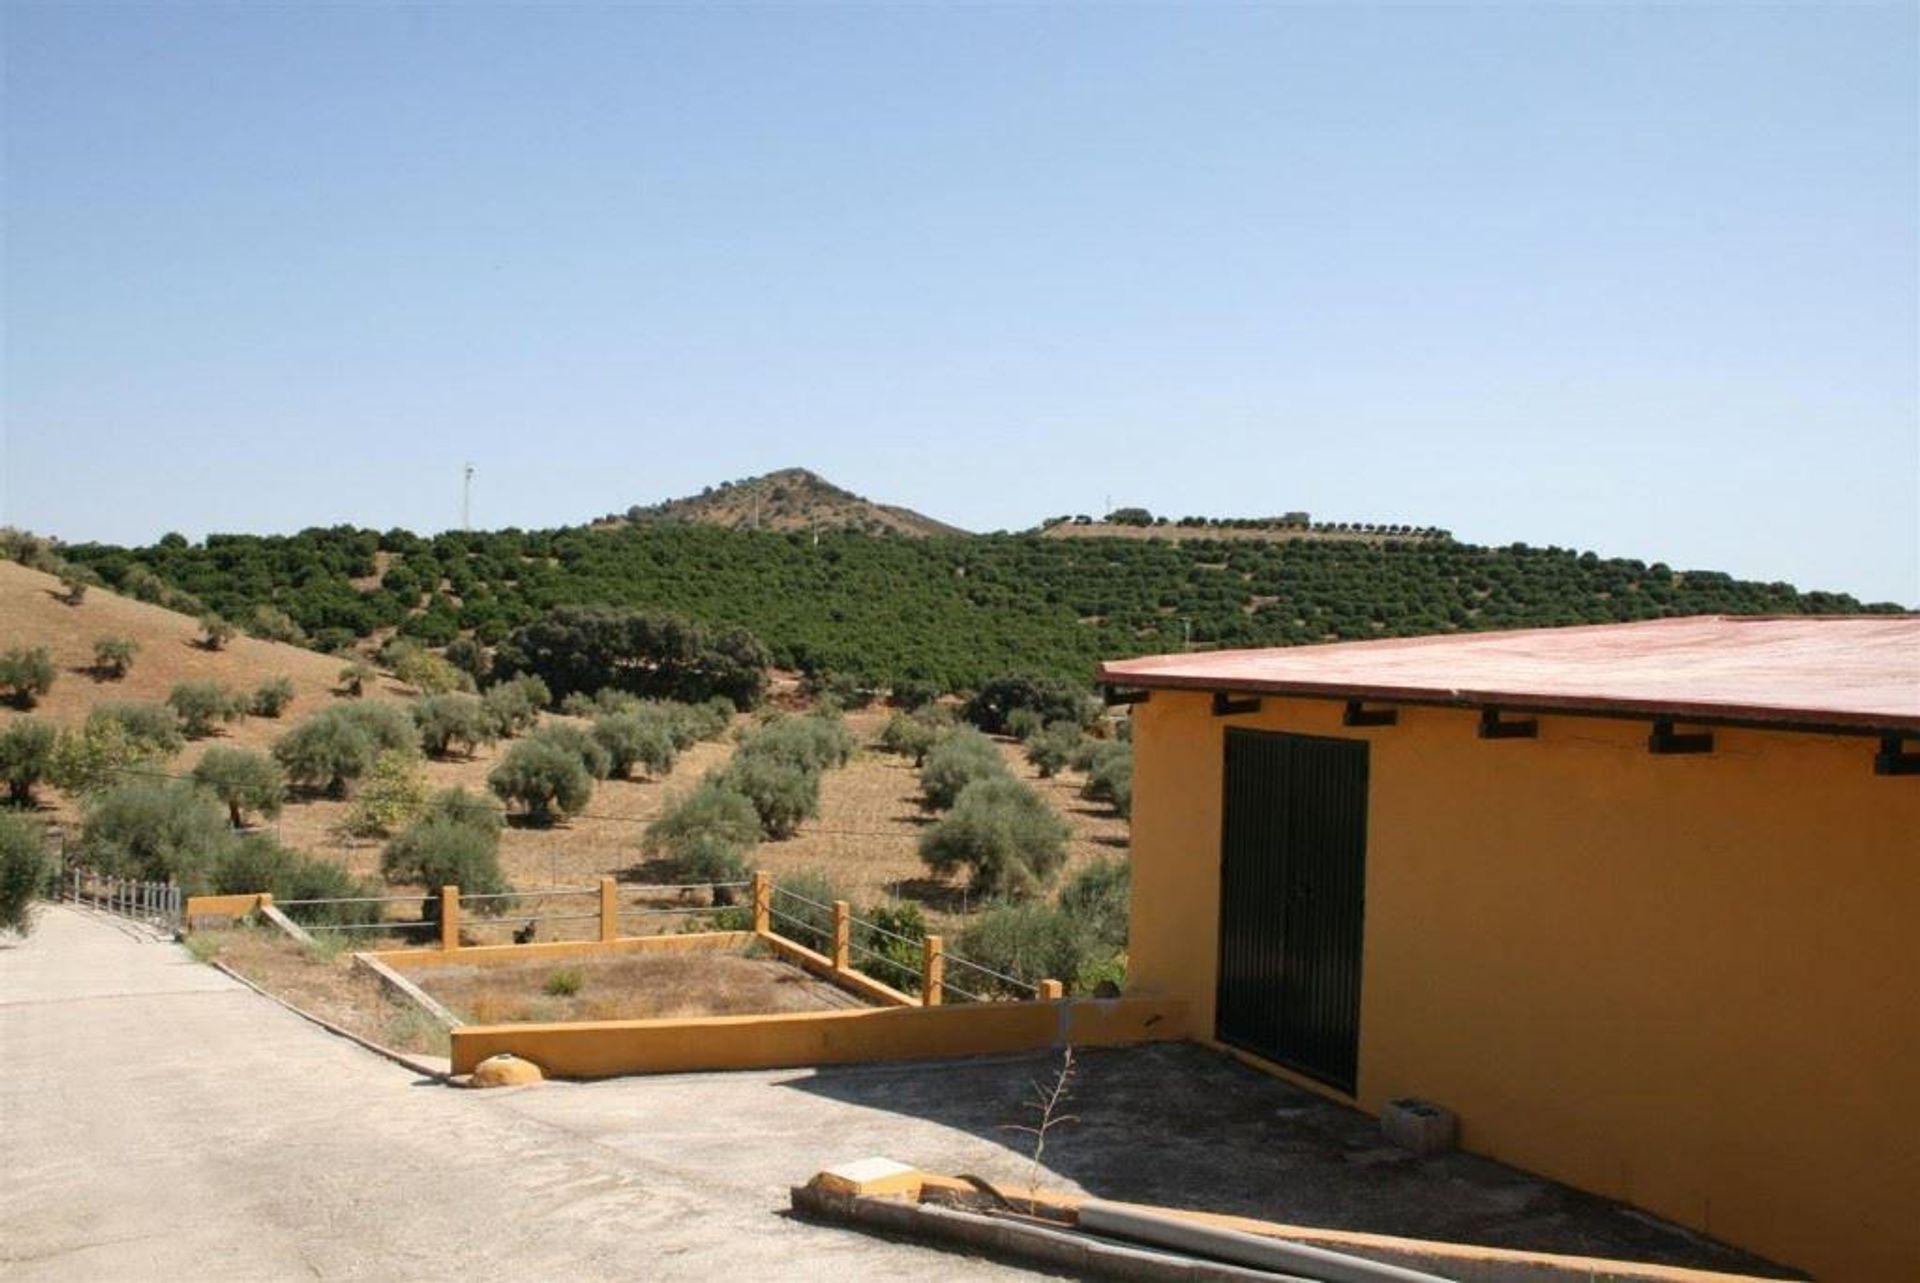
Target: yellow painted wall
[[604, 1049], [1688, 982]]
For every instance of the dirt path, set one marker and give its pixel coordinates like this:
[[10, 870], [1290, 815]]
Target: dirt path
[[164, 1122]]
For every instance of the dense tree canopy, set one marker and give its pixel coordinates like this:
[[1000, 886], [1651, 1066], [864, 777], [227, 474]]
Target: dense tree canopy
[[955, 611]]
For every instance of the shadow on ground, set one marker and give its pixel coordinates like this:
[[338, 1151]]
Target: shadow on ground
[[1181, 1126]]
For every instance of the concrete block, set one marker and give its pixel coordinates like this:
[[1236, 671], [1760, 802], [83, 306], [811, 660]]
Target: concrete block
[[1420, 1125]]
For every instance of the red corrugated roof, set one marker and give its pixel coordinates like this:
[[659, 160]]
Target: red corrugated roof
[[1852, 670]]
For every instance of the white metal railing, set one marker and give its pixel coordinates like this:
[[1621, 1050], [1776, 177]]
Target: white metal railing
[[157, 903]]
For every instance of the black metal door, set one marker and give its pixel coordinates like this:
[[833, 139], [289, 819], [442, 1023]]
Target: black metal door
[[1293, 865]]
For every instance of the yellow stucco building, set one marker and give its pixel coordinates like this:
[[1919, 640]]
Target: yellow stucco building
[[1639, 903]]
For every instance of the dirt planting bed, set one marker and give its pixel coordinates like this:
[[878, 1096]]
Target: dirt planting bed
[[321, 980], [629, 987]]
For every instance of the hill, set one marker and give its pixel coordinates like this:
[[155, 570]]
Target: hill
[[792, 499], [954, 611], [169, 653]]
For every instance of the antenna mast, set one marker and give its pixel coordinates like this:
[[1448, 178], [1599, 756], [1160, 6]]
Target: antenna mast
[[466, 499]]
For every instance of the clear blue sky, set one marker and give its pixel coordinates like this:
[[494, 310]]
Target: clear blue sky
[[1642, 280]]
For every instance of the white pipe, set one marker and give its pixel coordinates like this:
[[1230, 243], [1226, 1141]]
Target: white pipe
[[1242, 1248]]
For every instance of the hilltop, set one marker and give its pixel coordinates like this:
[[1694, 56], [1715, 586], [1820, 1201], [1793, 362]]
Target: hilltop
[[787, 500]]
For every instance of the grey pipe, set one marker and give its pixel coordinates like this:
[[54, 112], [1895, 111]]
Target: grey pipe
[[1243, 1248]]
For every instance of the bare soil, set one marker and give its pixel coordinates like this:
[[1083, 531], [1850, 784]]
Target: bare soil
[[322, 980], [635, 987]]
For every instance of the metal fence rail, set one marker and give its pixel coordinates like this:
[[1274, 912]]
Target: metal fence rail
[[157, 903]]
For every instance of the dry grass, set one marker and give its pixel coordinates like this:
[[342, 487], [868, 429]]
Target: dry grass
[[632, 987], [321, 979]]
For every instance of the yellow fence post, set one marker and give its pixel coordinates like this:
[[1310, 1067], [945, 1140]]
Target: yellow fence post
[[609, 910], [1052, 991], [762, 904], [842, 935], [449, 917], [933, 971]]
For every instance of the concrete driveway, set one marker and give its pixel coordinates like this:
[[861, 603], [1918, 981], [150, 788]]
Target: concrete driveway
[[162, 1121]]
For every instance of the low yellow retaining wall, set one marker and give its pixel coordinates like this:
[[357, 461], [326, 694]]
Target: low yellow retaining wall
[[856, 982], [486, 955], [610, 1048], [224, 906]]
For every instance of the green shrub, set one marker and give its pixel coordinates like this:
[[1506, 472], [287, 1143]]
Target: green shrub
[[1050, 750], [24, 868], [215, 632], [26, 757], [1111, 779], [814, 743], [1003, 833], [97, 756], [895, 933], [1049, 699], [581, 704], [910, 737], [1031, 942], [425, 671], [1090, 753], [564, 983], [152, 728], [914, 693], [633, 739], [514, 706], [457, 806], [270, 623], [705, 835], [25, 675], [1024, 723], [326, 752], [259, 863], [581, 743], [271, 697], [435, 852], [393, 794], [157, 831], [387, 723], [1099, 898], [453, 719], [244, 781], [202, 704], [355, 676], [955, 762], [75, 589], [783, 793], [113, 656], [543, 779]]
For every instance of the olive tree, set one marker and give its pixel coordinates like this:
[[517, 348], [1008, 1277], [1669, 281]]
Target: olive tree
[[452, 719], [26, 757], [23, 871], [113, 656], [246, 781], [633, 739], [1003, 833], [201, 704], [543, 778], [955, 762], [26, 674], [704, 835], [216, 632], [326, 752]]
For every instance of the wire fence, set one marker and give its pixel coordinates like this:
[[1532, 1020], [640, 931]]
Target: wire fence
[[811, 923]]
